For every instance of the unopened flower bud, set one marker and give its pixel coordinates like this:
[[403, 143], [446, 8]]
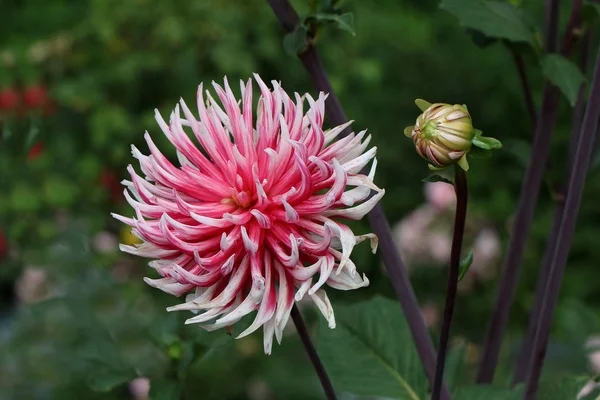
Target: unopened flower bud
[[443, 134]]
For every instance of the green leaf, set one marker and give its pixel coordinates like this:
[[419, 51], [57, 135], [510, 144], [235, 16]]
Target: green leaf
[[567, 388], [296, 41], [186, 359], [164, 390], [437, 178], [106, 379], [371, 351], [486, 143], [564, 74], [24, 198], [520, 150], [493, 18], [34, 131], [487, 392], [344, 22], [59, 192], [7, 130], [164, 330], [465, 264], [455, 365], [593, 6]]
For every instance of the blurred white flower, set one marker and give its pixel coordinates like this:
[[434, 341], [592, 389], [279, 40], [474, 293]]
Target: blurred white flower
[[593, 346], [8, 58], [32, 285], [487, 250], [38, 52], [588, 389], [258, 390], [61, 44]]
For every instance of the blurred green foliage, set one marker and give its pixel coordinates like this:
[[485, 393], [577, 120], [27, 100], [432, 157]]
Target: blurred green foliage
[[106, 65]]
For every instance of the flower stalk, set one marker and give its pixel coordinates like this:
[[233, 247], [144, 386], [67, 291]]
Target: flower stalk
[[460, 188], [524, 80], [312, 353]]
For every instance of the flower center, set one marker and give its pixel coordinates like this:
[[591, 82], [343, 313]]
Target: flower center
[[242, 199], [429, 130]]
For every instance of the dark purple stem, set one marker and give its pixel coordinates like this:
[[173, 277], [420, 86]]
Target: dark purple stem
[[534, 315], [567, 227], [572, 31], [460, 188], [524, 84], [389, 253], [551, 26], [569, 41], [525, 211], [312, 353], [520, 232]]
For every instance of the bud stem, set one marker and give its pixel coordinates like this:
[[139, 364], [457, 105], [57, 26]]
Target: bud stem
[[460, 188]]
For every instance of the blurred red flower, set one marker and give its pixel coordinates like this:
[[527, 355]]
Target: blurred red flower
[[2, 245], [36, 150], [9, 99], [35, 97]]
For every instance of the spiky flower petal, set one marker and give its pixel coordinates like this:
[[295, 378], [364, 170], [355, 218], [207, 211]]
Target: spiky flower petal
[[249, 220]]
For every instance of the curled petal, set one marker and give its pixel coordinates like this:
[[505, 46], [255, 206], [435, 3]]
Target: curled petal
[[324, 305], [346, 281], [169, 285]]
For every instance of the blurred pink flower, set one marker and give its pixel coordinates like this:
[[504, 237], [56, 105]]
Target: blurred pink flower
[[139, 388], [431, 315], [420, 240], [246, 221], [105, 242], [440, 244], [440, 195]]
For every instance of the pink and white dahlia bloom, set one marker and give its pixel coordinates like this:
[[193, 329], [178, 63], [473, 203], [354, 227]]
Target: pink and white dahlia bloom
[[248, 220]]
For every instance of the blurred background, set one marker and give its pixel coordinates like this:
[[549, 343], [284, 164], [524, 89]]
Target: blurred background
[[79, 81]]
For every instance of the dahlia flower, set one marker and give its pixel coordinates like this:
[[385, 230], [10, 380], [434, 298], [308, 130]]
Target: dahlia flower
[[249, 219]]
